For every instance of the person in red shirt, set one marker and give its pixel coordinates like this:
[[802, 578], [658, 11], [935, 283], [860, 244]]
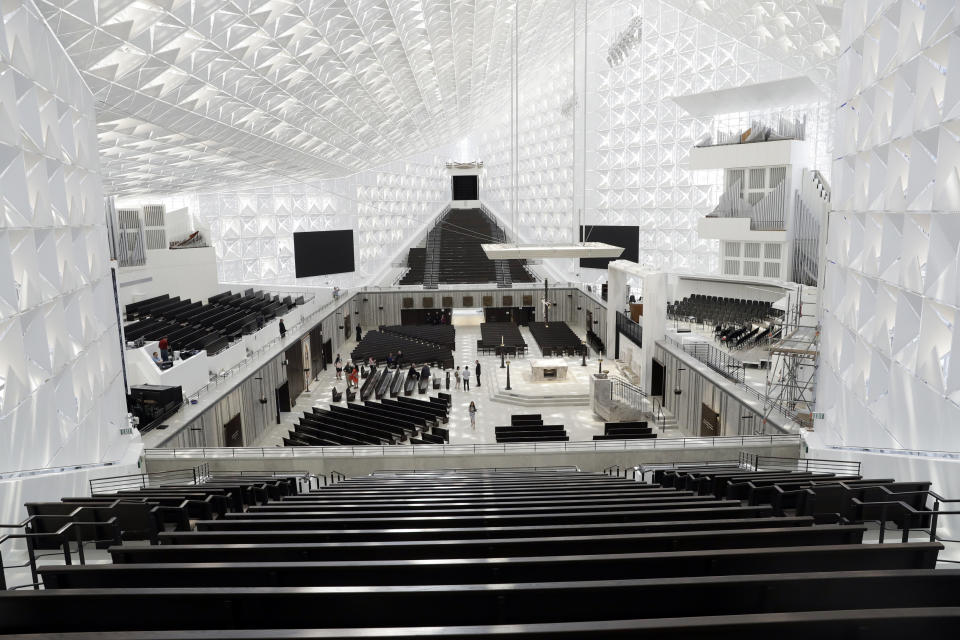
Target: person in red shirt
[[164, 346]]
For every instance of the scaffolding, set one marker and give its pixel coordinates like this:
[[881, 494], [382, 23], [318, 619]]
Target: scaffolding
[[792, 375]]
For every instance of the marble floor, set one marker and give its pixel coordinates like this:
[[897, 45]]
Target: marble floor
[[579, 420]]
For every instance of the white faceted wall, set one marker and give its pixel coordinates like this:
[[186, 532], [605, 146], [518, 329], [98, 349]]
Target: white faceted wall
[[253, 229], [61, 386], [638, 140], [888, 378]]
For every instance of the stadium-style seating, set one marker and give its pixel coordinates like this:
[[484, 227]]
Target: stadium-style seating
[[379, 345], [191, 326], [495, 334], [401, 421], [482, 553], [453, 254], [556, 339]]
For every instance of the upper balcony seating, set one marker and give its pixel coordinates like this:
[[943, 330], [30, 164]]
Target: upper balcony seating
[[193, 326], [478, 553]]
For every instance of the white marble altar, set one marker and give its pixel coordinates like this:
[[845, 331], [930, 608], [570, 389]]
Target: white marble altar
[[541, 369]]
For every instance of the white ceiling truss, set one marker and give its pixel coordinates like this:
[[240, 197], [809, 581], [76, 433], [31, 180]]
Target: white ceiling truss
[[199, 94]]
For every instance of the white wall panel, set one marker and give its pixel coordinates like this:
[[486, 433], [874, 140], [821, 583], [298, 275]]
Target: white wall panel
[[61, 389], [888, 376]]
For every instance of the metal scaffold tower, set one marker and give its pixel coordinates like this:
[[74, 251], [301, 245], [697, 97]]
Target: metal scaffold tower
[[792, 376]]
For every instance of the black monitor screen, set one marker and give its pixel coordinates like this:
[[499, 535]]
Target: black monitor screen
[[626, 237], [318, 253], [465, 188]]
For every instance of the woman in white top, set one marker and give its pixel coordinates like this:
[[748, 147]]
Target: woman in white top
[[456, 375]]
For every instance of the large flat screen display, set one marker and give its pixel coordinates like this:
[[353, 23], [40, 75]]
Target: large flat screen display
[[619, 236], [465, 188], [318, 253]]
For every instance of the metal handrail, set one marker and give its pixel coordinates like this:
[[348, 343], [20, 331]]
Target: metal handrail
[[466, 449]]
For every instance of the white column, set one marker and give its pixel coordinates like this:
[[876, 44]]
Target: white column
[[654, 321], [616, 294]]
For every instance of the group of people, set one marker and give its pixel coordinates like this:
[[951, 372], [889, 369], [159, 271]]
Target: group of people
[[462, 376], [164, 355], [351, 371]]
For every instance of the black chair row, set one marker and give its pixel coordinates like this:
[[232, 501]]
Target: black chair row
[[556, 339], [721, 310], [381, 346], [441, 335], [501, 336]]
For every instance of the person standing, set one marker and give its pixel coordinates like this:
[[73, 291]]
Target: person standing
[[164, 349], [283, 329], [456, 376], [338, 365], [473, 415], [399, 358], [354, 379], [466, 378], [478, 372]]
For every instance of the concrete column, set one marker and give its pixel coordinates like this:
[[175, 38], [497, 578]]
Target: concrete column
[[616, 294], [654, 321]]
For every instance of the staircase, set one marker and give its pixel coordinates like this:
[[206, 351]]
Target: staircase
[[431, 271]]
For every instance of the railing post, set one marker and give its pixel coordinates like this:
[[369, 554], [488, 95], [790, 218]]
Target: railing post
[[933, 520], [32, 559], [883, 522]]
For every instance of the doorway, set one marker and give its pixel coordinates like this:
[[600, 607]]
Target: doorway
[[294, 358], [283, 399], [327, 353], [347, 326], [233, 432], [657, 377], [709, 422]]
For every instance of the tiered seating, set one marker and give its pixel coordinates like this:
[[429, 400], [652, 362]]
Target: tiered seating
[[193, 326], [746, 335], [442, 335], [625, 431], [379, 345], [530, 428], [720, 310], [594, 341], [459, 256], [405, 420], [416, 263], [556, 339], [475, 554], [493, 334]]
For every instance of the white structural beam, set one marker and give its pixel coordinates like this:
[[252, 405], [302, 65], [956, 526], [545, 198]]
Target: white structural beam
[[509, 251], [788, 92]]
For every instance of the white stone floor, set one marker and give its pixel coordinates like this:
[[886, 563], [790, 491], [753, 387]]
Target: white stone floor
[[579, 421]]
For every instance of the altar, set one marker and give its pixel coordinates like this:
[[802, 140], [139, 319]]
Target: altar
[[548, 369]]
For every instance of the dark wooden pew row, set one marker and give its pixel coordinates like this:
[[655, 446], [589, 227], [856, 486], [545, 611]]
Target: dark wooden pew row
[[614, 566], [692, 502], [306, 521], [504, 547], [784, 495], [502, 603], [530, 501], [668, 477], [872, 624], [478, 499], [762, 490], [234, 532]]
